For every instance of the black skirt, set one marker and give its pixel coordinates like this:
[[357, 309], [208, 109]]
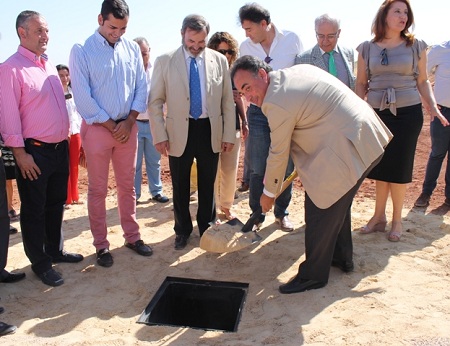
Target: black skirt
[[397, 163], [10, 164]]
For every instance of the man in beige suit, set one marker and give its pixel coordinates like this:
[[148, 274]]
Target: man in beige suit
[[334, 140], [195, 84]]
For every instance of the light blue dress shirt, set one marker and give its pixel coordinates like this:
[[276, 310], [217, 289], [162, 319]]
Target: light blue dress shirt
[[107, 82]]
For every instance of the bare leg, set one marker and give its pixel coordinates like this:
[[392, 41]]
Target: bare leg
[[398, 192], [378, 220]]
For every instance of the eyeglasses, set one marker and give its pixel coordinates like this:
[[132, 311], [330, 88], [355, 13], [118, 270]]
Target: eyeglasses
[[267, 59], [226, 51], [68, 96], [329, 36], [384, 57]]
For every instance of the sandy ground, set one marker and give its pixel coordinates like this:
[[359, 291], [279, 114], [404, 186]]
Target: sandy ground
[[397, 295]]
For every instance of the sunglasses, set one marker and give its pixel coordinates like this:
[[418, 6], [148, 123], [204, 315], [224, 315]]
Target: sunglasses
[[68, 96], [268, 59], [384, 57], [226, 51]]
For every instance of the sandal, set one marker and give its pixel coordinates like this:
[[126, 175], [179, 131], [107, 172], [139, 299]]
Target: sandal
[[78, 202], [394, 235], [13, 216], [378, 227]]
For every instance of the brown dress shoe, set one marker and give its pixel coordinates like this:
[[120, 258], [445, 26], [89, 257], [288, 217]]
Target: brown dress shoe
[[244, 187]]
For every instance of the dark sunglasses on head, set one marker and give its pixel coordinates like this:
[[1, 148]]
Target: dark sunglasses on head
[[267, 59], [225, 51], [384, 57]]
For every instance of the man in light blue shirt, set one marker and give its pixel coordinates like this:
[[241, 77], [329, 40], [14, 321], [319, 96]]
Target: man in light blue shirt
[[110, 90], [146, 149]]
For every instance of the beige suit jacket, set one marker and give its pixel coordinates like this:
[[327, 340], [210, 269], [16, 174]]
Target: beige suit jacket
[[332, 135], [170, 86]]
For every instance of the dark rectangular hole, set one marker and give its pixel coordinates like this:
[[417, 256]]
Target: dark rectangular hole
[[201, 304]]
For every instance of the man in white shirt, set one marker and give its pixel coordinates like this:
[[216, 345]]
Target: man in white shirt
[[278, 48]]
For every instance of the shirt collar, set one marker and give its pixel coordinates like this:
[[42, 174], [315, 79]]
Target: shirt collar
[[277, 32], [32, 56], [103, 40], [323, 52], [188, 55]]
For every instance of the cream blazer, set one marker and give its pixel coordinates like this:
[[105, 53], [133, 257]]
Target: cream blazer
[[332, 135], [170, 86]]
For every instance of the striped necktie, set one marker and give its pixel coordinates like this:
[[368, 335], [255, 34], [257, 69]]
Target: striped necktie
[[331, 64], [195, 92]]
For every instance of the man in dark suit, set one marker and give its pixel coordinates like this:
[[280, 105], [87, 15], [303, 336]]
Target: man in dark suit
[[194, 83], [327, 54]]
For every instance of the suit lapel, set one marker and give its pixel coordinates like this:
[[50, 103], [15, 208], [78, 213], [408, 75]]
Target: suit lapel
[[180, 64], [318, 58], [209, 66], [347, 66]]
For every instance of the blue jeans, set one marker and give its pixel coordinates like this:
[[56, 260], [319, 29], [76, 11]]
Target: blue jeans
[[258, 143], [440, 146], [152, 161], [246, 173]]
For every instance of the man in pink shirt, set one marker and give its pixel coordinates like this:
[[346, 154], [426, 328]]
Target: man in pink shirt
[[35, 125]]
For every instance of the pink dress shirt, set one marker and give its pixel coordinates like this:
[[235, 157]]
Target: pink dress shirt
[[32, 103]]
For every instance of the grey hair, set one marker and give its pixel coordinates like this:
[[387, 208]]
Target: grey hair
[[195, 22], [23, 18], [326, 18], [140, 40]]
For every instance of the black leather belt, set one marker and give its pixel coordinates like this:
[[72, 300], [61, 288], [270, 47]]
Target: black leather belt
[[142, 120], [41, 144]]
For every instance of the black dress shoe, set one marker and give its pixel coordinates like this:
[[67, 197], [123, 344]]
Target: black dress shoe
[[13, 277], [297, 285], [160, 198], [51, 277], [345, 266], [140, 248], [104, 258], [67, 257], [6, 329], [180, 241], [2, 309]]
